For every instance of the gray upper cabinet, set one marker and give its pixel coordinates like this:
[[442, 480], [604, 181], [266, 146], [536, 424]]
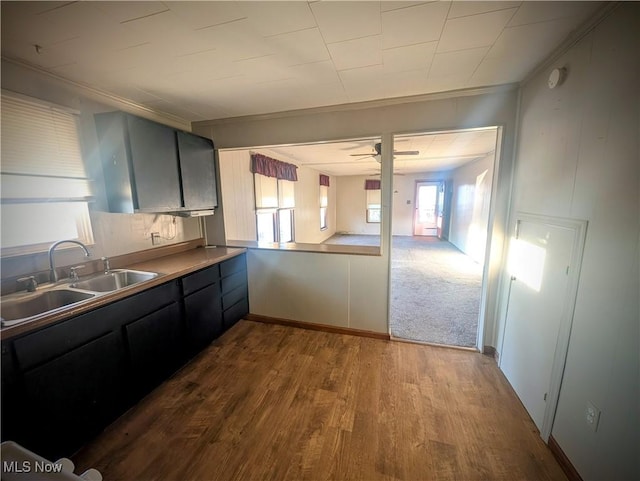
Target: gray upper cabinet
[[149, 167], [154, 159], [197, 168]]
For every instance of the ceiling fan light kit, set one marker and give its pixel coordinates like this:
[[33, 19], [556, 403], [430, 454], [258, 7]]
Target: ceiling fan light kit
[[378, 152]]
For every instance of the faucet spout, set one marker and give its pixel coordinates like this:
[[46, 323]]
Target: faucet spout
[[53, 275]]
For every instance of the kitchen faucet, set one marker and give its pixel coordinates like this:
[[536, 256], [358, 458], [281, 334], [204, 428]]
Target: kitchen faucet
[[53, 275]]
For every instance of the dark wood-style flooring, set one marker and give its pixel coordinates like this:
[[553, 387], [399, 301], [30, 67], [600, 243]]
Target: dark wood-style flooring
[[274, 402]]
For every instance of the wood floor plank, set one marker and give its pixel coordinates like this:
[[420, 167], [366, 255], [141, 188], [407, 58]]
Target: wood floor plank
[[271, 402]]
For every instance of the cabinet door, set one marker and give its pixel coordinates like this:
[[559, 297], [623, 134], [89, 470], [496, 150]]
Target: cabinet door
[[12, 397], [71, 398], [154, 159], [197, 167], [155, 348], [204, 316]]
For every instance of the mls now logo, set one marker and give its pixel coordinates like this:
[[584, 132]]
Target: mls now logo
[[30, 467]]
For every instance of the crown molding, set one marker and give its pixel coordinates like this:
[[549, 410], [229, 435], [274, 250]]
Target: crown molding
[[104, 97], [370, 104], [573, 38]]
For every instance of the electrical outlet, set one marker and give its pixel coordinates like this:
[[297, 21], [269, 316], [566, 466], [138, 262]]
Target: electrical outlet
[[155, 238], [592, 416]]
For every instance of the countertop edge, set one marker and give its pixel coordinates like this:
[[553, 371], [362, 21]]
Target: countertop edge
[[194, 260]]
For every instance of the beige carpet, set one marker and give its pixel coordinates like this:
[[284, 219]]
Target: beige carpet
[[435, 292]]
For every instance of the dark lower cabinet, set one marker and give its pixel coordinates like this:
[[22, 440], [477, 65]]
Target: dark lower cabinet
[[235, 293], [70, 399], [64, 383], [203, 316], [155, 348]]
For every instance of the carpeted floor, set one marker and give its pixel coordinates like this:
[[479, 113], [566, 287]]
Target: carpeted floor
[[435, 292]]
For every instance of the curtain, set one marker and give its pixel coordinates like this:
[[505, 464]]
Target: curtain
[[324, 180], [371, 184], [263, 165]]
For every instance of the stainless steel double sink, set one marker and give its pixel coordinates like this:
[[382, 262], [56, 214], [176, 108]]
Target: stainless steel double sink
[[25, 306]]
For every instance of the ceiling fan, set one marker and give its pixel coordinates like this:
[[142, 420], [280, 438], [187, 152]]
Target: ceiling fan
[[378, 152]]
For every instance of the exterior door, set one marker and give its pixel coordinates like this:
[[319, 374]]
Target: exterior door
[[428, 209], [544, 266]]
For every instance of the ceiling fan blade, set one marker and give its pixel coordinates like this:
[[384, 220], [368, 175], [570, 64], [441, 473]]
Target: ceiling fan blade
[[406, 152], [362, 155]]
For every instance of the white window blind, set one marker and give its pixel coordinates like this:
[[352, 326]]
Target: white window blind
[[324, 196], [373, 199], [374, 205], [266, 192], [286, 192], [41, 157], [44, 185]]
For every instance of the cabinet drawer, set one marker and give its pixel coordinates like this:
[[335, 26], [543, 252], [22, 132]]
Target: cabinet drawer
[[234, 281], [200, 279], [235, 313], [57, 339], [232, 265], [232, 297]]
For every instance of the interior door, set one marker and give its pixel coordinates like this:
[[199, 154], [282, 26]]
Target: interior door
[[427, 208], [540, 305]]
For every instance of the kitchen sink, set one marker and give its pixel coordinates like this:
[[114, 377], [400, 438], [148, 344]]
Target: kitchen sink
[[22, 307], [18, 308], [115, 279]]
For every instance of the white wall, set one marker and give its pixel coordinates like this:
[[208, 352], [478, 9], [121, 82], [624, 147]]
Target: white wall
[[307, 213], [365, 276], [114, 234], [404, 193], [470, 207], [578, 157], [351, 214], [238, 195]]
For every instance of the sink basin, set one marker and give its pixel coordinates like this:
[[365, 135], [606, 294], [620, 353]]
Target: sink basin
[[20, 308], [116, 279]]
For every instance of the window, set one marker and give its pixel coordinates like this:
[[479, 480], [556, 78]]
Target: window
[[324, 200], [275, 202], [45, 189], [374, 202]]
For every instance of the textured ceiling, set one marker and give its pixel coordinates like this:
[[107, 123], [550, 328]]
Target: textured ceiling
[[210, 60], [437, 151]]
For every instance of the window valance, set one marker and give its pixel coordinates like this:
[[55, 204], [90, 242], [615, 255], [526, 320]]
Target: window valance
[[371, 184], [263, 165], [324, 180]]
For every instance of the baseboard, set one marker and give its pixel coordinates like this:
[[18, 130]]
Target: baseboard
[[317, 327], [563, 460], [492, 352]]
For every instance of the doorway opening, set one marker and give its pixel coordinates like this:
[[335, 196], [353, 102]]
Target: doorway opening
[[441, 235], [429, 199]]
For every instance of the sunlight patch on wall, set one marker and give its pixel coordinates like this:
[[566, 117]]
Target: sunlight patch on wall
[[526, 262]]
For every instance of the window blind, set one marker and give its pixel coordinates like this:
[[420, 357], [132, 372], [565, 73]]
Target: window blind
[[41, 156], [266, 192], [286, 193], [324, 196]]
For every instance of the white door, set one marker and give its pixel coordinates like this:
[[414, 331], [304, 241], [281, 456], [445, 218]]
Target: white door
[[539, 313], [427, 201]]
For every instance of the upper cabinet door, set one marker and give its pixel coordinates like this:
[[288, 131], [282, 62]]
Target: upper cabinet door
[[154, 160], [197, 167]]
